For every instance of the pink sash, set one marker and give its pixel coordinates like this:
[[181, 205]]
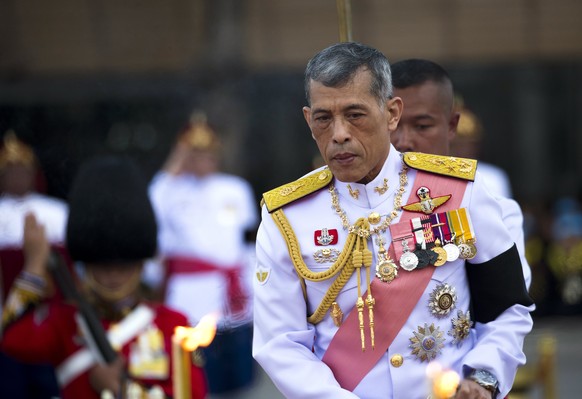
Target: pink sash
[[394, 301]]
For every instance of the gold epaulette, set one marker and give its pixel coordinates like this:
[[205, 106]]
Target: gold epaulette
[[462, 168], [290, 192]]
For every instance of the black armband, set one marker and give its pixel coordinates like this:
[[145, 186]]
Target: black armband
[[496, 285]]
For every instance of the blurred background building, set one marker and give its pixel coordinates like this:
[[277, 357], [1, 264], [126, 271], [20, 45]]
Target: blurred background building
[[81, 77]]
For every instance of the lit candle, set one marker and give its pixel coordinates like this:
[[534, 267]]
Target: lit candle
[[443, 383], [184, 341]]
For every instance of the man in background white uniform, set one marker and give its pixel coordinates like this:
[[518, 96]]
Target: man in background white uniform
[[18, 196], [203, 217]]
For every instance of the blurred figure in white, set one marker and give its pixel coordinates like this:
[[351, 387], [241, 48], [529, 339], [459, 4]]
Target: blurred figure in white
[[204, 218], [467, 144], [19, 178]]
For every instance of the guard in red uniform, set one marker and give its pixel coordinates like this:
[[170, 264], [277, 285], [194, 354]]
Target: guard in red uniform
[[111, 231]]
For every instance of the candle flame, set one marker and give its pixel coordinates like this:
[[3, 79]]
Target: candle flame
[[445, 384], [191, 338]]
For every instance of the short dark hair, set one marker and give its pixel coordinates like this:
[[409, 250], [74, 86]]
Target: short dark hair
[[414, 71], [336, 65]]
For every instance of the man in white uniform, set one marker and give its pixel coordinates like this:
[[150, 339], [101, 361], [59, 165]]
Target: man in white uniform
[[432, 121], [203, 217], [18, 196], [372, 267]]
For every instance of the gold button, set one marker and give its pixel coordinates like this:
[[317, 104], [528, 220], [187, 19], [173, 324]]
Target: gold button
[[322, 175], [374, 218], [396, 360]]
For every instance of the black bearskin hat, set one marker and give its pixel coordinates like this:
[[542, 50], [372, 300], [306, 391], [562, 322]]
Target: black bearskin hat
[[111, 218]]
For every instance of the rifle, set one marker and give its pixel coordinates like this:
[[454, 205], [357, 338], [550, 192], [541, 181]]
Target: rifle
[[89, 322]]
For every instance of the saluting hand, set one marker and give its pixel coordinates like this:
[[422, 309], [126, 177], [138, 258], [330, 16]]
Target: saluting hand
[[176, 162], [35, 246]]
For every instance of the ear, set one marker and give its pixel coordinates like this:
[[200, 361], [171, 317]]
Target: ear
[[307, 116], [394, 108], [453, 123]]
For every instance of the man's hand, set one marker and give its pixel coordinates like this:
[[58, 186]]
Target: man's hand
[[176, 162], [469, 389], [35, 246], [108, 376]]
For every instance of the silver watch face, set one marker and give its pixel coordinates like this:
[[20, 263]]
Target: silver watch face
[[485, 379]]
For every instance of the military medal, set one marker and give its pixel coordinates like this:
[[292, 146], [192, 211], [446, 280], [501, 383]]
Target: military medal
[[466, 250], [427, 342], [422, 254], [442, 254], [442, 300], [461, 327], [386, 269], [423, 258], [464, 232], [408, 260], [452, 251]]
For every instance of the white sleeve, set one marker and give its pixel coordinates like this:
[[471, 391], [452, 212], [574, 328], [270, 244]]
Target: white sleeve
[[499, 344], [283, 339]]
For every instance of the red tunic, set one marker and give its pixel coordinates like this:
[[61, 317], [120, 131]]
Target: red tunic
[[50, 335]]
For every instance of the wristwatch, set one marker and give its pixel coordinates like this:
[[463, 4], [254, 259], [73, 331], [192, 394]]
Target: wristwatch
[[486, 380]]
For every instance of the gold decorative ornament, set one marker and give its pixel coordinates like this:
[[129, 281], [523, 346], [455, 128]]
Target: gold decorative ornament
[[462, 168], [374, 218], [198, 135], [262, 275], [442, 259], [290, 189], [336, 314], [386, 269], [14, 151], [362, 231], [426, 204], [326, 255], [287, 193], [396, 360], [355, 194], [383, 188]]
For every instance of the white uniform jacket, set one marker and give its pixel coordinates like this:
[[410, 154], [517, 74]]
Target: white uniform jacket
[[290, 349], [204, 219]]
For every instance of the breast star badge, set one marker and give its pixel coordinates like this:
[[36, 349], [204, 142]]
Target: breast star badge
[[426, 204], [427, 342]]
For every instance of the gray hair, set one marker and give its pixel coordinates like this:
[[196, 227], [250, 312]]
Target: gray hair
[[336, 65]]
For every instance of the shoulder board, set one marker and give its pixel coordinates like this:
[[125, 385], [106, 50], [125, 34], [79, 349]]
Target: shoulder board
[[461, 168], [290, 192]]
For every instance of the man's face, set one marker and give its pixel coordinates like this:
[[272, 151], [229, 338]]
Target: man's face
[[350, 127], [17, 179], [201, 163], [427, 123]]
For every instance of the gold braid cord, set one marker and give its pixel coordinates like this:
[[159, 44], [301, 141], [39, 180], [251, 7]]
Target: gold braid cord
[[355, 247]]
